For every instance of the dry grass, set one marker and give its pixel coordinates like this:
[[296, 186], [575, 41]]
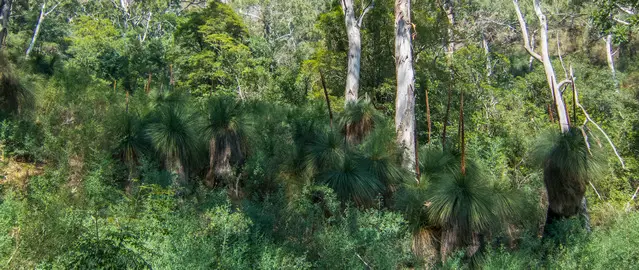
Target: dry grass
[[16, 174]]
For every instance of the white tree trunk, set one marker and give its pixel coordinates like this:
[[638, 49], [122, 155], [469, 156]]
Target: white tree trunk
[[544, 58], [611, 60], [5, 13], [146, 29], [37, 30], [489, 65], [405, 99], [450, 14], [354, 51], [550, 72]]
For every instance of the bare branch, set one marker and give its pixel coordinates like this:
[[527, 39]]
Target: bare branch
[[589, 119], [361, 259], [524, 32], [621, 21], [52, 9], [561, 59], [595, 189], [370, 6], [634, 196], [561, 84], [627, 10]]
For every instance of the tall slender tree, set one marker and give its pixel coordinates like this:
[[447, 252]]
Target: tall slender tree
[[544, 58], [405, 99], [43, 14], [353, 26]]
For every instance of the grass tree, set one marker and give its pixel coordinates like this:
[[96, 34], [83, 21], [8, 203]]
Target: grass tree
[[569, 166], [350, 180], [358, 120], [14, 96], [170, 132], [128, 130], [225, 132]]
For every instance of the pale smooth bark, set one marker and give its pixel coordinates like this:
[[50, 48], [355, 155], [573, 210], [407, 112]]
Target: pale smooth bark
[[146, 29], [405, 99], [450, 14], [544, 58], [5, 13], [36, 32], [489, 66], [354, 49], [611, 60]]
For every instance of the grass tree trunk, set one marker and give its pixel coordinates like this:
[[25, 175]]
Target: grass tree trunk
[[181, 171], [405, 99], [210, 175], [354, 51], [5, 13], [449, 242]]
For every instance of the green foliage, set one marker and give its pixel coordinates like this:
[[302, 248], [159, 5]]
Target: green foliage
[[123, 106]]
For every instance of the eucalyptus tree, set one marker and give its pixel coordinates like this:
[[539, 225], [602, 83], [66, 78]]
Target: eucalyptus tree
[[212, 51], [405, 98], [353, 25], [44, 12], [616, 20]]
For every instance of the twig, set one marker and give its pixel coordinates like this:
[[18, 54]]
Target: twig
[[370, 6], [361, 259], [595, 189], [524, 32], [561, 59], [328, 101], [632, 199], [589, 119]]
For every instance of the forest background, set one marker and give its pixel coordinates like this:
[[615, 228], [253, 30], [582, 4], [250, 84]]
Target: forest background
[[324, 134]]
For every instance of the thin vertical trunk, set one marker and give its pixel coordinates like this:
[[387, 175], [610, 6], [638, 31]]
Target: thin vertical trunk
[[544, 58], [5, 14], [328, 100], [146, 29], [462, 139], [428, 115], [148, 84], [531, 60], [171, 81], [37, 29], [354, 51], [611, 60], [405, 99], [489, 66], [450, 14], [450, 94], [550, 72]]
